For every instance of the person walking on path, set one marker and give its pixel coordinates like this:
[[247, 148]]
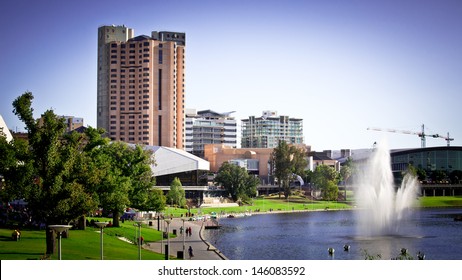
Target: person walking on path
[[191, 254], [201, 249]]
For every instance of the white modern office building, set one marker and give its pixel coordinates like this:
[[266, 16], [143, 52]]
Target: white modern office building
[[267, 130], [209, 127]]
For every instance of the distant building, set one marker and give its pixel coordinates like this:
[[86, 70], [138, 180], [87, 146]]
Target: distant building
[[255, 160], [209, 127], [72, 123], [20, 135], [441, 165], [174, 163], [140, 91], [322, 158], [267, 130]]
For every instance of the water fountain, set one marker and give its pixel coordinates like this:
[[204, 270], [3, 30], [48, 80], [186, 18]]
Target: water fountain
[[382, 207]]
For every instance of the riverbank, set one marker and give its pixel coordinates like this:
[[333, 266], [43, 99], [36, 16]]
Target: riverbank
[[269, 205]]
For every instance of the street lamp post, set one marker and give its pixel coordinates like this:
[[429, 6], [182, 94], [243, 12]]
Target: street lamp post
[[168, 238], [138, 223], [184, 236], [101, 226], [162, 240], [59, 230]]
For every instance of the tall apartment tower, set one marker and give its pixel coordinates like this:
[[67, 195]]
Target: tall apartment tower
[[209, 127], [267, 130], [141, 86]]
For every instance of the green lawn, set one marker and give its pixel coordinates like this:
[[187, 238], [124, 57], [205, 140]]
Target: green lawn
[[294, 203], [81, 244], [440, 201]]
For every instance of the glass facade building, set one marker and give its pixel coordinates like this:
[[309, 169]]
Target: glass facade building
[[447, 159]]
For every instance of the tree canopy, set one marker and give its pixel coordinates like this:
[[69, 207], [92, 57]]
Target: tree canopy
[[346, 171], [63, 176], [176, 194], [287, 161], [326, 178], [237, 182]]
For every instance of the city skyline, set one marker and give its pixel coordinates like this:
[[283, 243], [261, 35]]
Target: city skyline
[[341, 66]]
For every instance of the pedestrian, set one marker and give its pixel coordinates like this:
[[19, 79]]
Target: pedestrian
[[191, 254], [190, 233]]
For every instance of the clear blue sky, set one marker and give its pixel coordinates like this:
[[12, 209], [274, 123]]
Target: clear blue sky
[[342, 66]]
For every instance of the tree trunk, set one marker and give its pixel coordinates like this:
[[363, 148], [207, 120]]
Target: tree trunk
[[346, 180], [345, 192], [82, 223], [115, 218], [50, 241], [286, 193], [286, 188]]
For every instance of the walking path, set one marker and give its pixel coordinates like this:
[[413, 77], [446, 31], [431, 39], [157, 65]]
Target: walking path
[[202, 250]]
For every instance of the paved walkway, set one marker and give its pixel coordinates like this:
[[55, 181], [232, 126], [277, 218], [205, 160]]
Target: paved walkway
[[202, 250]]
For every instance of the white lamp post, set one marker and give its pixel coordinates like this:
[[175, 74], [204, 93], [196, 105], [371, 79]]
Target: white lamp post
[[59, 230], [101, 226], [138, 223], [162, 240], [168, 238], [184, 236]]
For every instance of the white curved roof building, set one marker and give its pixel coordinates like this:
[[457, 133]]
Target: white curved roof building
[[4, 131]]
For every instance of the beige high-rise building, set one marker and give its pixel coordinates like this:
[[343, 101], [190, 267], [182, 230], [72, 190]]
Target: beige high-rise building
[[141, 86]]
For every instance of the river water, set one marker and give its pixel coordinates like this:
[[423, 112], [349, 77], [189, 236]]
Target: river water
[[308, 235]]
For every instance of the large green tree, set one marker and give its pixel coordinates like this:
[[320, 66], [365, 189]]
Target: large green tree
[[326, 179], [63, 176], [287, 161], [41, 170], [237, 182], [120, 175], [126, 177], [176, 194]]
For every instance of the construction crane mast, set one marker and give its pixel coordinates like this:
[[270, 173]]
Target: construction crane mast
[[421, 134]]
